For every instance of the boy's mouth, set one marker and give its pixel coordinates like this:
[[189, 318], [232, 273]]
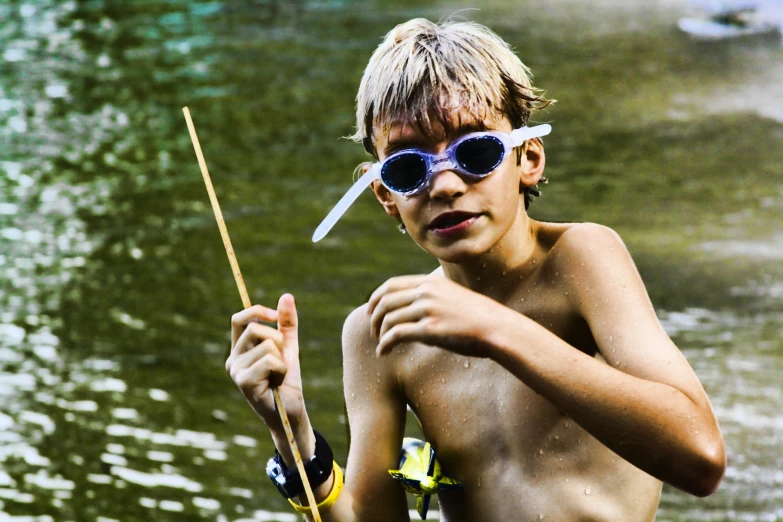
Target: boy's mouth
[[449, 220]]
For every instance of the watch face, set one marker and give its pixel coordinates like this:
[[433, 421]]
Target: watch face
[[286, 482], [273, 469]]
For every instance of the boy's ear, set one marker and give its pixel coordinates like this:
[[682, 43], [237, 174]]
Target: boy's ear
[[533, 161], [383, 194]]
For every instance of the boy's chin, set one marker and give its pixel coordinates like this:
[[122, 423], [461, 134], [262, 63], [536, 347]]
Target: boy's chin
[[457, 251]]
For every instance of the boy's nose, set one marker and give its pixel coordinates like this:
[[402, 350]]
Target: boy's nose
[[447, 184]]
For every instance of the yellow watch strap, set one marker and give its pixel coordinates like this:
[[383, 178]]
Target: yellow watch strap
[[337, 487]]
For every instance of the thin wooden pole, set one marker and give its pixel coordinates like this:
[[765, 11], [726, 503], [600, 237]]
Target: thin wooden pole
[[232, 258]]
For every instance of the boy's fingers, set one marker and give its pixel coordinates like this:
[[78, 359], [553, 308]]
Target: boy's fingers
[[397, 334], [408, 314], [287, 318], [268, 372], [392, 285], [255, 334], [388, 303], [240, 319], [268, 368], [238, 362]]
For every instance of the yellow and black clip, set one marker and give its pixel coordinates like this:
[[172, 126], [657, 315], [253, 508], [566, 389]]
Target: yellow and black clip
[[420, 473]]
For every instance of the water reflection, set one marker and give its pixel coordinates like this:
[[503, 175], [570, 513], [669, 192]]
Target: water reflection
[[116, 292]]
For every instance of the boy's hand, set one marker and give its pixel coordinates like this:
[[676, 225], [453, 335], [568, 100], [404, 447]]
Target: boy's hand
[[263, 357], [433, 311]]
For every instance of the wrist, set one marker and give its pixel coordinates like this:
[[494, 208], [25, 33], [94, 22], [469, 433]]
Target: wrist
[[305, 441], [319, 492], [314, 471], [506, 331]]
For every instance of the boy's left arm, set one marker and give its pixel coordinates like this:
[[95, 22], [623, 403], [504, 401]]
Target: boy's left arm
[[646, 405]]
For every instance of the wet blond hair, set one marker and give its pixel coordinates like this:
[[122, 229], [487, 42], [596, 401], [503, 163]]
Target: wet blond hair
[[424, 68]]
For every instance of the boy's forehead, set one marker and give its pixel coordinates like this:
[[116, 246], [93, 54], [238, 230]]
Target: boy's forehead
[[457, 123]]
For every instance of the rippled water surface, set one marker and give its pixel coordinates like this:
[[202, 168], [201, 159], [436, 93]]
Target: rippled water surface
[[116, 293]]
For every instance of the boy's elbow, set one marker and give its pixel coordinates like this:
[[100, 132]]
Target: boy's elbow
[[711, 470]]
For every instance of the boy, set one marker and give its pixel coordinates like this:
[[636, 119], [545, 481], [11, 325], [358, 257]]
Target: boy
[[532, 357]]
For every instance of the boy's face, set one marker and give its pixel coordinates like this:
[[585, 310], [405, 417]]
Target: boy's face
[[486, 209]]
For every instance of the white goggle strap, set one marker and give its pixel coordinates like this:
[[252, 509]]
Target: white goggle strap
[[345, 202], [519, 136]]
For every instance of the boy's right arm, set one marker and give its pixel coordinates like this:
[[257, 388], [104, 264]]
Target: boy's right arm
[[376, 407], [376, 415]]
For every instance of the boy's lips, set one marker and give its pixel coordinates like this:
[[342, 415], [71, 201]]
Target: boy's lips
[[449, 220]]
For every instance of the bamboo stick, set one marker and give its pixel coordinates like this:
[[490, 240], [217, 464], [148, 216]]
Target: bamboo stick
[[232, 258]]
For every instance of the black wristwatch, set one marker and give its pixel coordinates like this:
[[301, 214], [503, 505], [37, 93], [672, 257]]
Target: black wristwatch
[[318, 470]]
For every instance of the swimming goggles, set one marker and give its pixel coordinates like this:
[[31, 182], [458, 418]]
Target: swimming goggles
[[409, 172]]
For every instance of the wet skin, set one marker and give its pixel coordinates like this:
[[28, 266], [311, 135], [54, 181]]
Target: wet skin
[[519, 456], [516, 453], [532, 357]]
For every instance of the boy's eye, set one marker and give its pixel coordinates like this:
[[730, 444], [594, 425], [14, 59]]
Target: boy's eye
[[405, 172], [480, 155]]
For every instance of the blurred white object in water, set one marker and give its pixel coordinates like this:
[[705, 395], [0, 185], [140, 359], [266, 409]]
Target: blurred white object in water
[[730, 19]]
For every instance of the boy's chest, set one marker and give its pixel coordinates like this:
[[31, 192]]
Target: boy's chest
[[467, 403]]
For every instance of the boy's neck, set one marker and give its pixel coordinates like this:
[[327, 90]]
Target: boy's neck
[[514, 256]]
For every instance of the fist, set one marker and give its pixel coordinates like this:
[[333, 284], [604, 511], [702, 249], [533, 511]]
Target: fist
[[265, 357]]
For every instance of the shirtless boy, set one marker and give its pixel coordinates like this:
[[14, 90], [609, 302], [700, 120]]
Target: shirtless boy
[[532, 357]]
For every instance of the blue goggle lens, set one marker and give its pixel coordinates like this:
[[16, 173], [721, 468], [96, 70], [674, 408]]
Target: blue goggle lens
[[477, 156], [480, 155], [405, 172]]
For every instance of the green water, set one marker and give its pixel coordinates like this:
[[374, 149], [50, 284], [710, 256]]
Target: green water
[[116, 293]]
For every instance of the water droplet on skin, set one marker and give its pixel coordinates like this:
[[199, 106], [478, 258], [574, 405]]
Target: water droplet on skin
[[587, 490], [540, 516], [353, 396], [522, 300], [467, 364], [540, 452], [534, 261], [557, 437]]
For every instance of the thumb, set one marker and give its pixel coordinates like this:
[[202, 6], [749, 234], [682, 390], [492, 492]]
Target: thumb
[[287, 320]]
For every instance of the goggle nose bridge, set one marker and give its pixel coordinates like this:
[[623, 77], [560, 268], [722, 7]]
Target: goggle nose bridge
[[441, 162]]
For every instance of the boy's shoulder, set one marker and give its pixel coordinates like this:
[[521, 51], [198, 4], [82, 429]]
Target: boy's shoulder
[[357, 339], [572, 245], [356, 332], [571, 235]]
